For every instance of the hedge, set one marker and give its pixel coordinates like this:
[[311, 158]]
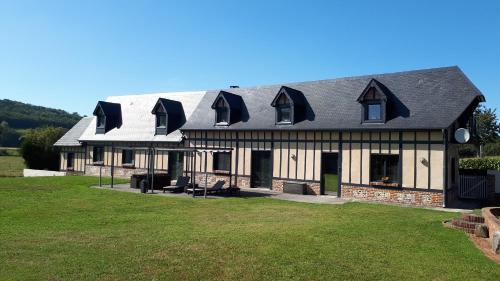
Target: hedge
[[480, 163]]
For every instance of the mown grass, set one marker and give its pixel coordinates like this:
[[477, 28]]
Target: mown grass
[[11, 166], [59, 229]]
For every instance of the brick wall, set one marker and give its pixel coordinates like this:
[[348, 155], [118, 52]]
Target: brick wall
[[313, 188], [394, 196]]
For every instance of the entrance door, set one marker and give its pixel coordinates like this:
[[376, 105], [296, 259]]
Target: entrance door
[[175, 164], [261, 173], [329, 173]]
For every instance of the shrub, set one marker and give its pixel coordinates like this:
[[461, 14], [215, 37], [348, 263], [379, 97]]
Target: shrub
[[480, 163], [37, 148]]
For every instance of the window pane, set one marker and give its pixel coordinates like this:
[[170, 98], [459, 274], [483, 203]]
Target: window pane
[[127, 156], [284, 114], [222, 161], [222, 115], [161, 120], [98, 153], [374, 111], [100, 120], [384, 168]]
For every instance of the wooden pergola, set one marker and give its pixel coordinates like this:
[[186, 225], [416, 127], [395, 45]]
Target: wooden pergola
[[190, 152]]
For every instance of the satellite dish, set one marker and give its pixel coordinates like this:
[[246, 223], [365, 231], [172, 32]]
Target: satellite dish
[[462, 135]]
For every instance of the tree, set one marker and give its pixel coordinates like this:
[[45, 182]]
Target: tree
[[37, 147], [487, 126], [8, 136]]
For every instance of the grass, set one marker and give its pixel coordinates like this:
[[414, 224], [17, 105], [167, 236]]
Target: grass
[[11, 166], [331, 183], [59, 229]]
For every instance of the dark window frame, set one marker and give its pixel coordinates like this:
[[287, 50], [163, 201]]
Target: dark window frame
[[132, 157], [281, 106], [222, 162], [385, 168], [98, 155]]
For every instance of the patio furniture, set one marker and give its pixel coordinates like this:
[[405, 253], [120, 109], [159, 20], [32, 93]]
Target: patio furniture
[[179, 186], [159, 180], [218, 187], [232, 190]]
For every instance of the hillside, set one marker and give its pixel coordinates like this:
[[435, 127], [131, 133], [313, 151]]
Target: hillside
[[16, 117], [24, 116]]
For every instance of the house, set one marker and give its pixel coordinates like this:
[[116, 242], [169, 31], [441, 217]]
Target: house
[[386, 137]]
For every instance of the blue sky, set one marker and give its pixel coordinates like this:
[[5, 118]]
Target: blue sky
[[69, 54]]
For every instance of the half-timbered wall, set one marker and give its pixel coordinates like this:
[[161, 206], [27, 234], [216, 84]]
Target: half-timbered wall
[[78, 160], [297, 154]]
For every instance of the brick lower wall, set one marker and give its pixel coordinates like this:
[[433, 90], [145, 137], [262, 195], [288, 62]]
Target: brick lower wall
[[394, 196], [313, 188], [119, 172]]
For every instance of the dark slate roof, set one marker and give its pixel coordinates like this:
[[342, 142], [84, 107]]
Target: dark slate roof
[[420, 99], [71, 137], [296, 97], [170, 106]]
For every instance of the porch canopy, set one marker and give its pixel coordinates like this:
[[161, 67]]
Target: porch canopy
[[188, 152]]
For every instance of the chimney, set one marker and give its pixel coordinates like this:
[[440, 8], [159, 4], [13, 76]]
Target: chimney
[[234, 86]]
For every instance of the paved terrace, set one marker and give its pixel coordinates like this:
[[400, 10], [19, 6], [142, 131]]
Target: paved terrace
[[262, 192], [245, 193]]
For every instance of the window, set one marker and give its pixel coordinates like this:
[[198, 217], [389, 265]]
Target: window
[[128, 157], [161, 118], [283, 110], [222, 161], [101, 119], [373, 111], [221, 112], [384, 168], [98, 154], [69, 160]]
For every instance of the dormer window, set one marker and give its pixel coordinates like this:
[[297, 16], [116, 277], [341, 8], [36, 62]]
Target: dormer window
[[161, 118], [290, 105], [373, 103], [108, 116], [169, 116], [101, 119], [221, 113], [283, 110]]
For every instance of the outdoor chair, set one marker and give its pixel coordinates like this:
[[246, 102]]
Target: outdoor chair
[[218, 187], [179, 186]]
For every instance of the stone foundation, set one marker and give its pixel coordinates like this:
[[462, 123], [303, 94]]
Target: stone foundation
[[422, 198], [119, 172]]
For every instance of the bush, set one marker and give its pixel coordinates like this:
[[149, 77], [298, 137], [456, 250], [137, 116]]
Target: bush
[[480, 163], [37, 148], [492, 149]]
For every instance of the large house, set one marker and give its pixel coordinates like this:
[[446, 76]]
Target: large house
[[384, 137]]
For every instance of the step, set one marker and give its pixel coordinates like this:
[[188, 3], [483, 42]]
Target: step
[[472, 218]]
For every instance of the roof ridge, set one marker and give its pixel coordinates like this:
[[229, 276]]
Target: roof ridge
[[160, 93], [345, 78]]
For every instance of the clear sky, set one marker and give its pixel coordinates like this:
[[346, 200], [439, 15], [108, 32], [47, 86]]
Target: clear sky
[[70, 54]]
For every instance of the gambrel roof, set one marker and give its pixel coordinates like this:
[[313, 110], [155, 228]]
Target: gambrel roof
[[420, 99]]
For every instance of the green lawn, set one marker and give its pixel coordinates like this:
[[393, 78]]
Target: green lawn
[[11, 166], [59, 229]]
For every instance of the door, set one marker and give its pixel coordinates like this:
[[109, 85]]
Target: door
[[175, 164], [261, 173], [69, 160], [329, 173]]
